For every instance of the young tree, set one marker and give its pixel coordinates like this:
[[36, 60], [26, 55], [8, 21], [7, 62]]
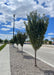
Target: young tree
[[36, 28], [21, 38], [16, 40]]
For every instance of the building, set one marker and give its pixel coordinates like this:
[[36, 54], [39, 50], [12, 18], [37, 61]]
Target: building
[[52, 40]]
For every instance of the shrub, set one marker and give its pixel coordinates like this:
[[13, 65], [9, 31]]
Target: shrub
[[50, 42]]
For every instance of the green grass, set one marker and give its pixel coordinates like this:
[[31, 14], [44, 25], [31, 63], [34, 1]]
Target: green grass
[[1, 47]]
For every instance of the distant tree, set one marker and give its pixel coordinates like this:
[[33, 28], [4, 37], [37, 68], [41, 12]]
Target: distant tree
[[45, 41], [36, 28], [50, 42], [1, 40], [6, 41], [15, 39], [11, 41], [28, 40], [21, 38]]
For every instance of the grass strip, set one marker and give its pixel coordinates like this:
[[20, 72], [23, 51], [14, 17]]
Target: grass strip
[[1, 47]]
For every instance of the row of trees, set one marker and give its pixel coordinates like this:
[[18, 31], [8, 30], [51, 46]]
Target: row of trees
[[36, 28], [4, 41], [46, 41], [19, 38]]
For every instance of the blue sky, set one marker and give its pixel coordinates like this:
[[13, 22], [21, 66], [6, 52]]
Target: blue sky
[[21, 8]]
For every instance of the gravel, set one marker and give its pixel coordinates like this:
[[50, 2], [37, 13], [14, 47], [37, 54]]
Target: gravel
[[23, 64]]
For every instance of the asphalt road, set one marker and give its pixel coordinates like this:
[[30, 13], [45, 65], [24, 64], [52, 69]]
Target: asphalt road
[[46, 54], [1, 44]]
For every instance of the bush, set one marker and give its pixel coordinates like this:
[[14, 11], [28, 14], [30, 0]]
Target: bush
[[50, 42], [1, 40], [1, 47]]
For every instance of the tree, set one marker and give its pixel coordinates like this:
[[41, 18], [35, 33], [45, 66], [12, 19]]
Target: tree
[[5, 41], [11, 41], [45, 41], [50, 42], [1, 40], [36, 28], [16, 40], [21, 37]]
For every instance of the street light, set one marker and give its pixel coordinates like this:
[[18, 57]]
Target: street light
[[13, 27], [13, 24]]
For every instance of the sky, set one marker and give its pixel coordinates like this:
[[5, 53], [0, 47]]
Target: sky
[[21, 8]]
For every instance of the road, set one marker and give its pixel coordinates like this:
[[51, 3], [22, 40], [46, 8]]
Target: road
[[1, 44], [45, 54]]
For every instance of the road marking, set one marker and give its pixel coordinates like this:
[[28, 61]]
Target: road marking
[[40, 59]]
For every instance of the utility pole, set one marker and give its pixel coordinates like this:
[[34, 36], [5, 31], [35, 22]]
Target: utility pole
[[13, 27], [13, 24]]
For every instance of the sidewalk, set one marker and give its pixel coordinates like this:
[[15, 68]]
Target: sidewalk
[[23, 64], [1, 44], [5, 61]]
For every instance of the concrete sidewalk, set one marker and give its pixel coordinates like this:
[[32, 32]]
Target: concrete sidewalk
[[5, 61], [1, 44]]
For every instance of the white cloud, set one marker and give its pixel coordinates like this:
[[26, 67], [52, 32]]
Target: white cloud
[[12, 32], [18, 24], [50, 6], [50, 33], [18, 7], [5, 29], [2, 1], [48, 37], [23, 7], [6, 36], [8, 26]]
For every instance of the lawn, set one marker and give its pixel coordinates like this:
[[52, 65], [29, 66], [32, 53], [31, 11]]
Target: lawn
[[1, 47]]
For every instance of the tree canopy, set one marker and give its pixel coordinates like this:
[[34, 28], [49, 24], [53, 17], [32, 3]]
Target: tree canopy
[[16, 39], [21, 37], [36, 28]]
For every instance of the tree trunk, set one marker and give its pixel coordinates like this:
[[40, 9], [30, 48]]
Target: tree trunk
[[22, 50], [35, 59], [17, 47]]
